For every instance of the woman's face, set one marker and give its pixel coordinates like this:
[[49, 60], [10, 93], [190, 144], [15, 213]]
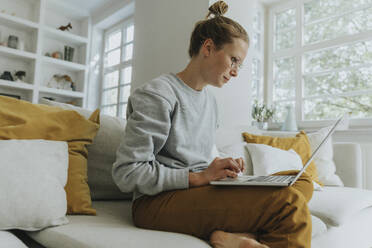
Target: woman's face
[[221, 65]]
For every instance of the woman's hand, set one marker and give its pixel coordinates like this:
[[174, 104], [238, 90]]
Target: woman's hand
[[218, 169]]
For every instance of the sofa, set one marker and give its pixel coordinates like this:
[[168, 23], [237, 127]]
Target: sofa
[[341, 215]]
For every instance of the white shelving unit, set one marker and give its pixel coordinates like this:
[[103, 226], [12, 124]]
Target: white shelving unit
[[36, 22]]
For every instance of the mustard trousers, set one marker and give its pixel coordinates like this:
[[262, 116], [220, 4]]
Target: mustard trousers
[[279, 216]]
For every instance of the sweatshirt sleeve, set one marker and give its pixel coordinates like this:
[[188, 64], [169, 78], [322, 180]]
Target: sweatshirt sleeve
[[146, 132]]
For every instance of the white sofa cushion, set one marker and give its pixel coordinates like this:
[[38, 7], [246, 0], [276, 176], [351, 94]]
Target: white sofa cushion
[[318, 226], [112, 227], [101, 154], [9, 240], [336, 205], [32, 182]]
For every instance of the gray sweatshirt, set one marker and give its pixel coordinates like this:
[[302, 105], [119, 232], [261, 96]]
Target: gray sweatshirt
[[170, 131]]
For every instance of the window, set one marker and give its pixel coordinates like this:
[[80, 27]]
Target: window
[[320, 59], [257, 65], [117, 72]]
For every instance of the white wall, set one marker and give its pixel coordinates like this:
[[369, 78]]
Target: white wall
[[234, 98], [162, 33]]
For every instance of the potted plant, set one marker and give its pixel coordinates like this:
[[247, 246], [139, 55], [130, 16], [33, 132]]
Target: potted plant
[[262, 114]]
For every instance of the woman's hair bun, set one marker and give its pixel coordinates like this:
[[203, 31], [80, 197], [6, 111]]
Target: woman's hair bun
[[219, 8]]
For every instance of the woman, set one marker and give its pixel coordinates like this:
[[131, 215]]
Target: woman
[[165, 157]]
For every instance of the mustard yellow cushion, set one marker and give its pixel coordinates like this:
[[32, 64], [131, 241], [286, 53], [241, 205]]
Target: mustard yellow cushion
[[300, 144], [23, 120]]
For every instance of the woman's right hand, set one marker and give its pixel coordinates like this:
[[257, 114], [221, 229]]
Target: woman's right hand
[[218, 169]]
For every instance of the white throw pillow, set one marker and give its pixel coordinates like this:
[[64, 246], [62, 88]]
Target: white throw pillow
[[238, 151], [268, 160], [33, 174], [324, 159]]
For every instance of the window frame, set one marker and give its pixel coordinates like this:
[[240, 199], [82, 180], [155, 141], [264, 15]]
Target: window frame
[[123, 25], [297, 52]]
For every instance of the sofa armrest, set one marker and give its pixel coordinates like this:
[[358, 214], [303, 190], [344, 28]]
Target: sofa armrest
[[348, 160]]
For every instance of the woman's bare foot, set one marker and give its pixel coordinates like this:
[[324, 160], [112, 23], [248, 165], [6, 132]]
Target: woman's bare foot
[[220, 239]]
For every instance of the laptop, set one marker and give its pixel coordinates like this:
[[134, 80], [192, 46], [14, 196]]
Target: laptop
[[279, 181]]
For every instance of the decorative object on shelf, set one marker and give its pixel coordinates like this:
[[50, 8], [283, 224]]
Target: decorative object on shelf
[[4, 43], [63, 82], [67, 27], [20, 75], [13, 41], [57, 55], [10, 95], [262, 114], [69, 53], [47, 54], [290, 123], [21, 45], [7, 76]]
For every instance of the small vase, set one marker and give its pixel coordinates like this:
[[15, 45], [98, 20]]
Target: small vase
[[261, 125], [290, 123]]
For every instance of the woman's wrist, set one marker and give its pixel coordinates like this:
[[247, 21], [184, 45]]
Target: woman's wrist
[[197, 179]]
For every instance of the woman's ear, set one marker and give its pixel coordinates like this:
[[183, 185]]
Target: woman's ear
[[207, 47]]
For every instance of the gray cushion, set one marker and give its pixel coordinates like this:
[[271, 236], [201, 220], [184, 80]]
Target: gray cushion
[[101, 154], [113, 228]]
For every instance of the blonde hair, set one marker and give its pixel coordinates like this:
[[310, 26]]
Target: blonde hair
[[220, 29]]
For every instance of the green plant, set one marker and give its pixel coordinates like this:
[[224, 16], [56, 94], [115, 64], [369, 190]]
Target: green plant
[[261, 112]]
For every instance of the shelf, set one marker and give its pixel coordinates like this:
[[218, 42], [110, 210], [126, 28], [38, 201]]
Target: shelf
[[64, 36], [64, 64], [17, 23], [16, 85], [59, 92], [15, 53]]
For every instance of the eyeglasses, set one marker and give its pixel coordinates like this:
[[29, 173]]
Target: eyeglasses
[[235, 64]]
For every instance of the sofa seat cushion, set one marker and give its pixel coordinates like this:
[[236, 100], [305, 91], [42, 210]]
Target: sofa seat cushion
[[112, 227], [8, 239], [336, 205], [318, 226]]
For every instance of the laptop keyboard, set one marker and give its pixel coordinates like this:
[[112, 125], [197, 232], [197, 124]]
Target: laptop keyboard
[[277, 179]]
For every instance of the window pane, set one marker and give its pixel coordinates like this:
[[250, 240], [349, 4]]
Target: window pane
[[128, 52], [111, 110], [113, 58], [256, 68], [123, 111], [352, 23], [111, 79], [285, 40], [285, 20], [114, 40], [285, 29], [130, 33], [332, 108], [257, 21], [126, 75], [284, 78], [351, 55], [124, 93], [338, 82], [281, 110], [318, 9], [256, 41], [110, 96]]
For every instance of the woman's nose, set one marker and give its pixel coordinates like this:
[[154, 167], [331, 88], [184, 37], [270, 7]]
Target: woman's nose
[[233, 72]]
